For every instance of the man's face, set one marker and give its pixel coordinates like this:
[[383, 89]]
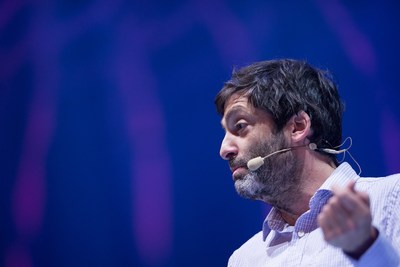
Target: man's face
[[249, 133]]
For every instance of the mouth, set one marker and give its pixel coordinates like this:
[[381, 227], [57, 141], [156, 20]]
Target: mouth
[[236, 172], [234, 168]]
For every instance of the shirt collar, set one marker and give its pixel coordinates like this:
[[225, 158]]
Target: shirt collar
[[340, 177]]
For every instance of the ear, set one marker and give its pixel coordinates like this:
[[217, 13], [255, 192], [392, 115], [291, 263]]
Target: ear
[[298, 128]]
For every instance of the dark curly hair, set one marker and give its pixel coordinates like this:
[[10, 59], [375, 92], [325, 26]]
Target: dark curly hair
[[285, 87]]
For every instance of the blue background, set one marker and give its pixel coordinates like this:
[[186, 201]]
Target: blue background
[[109, 138]]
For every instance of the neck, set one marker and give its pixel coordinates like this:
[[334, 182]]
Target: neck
[[316, 170]]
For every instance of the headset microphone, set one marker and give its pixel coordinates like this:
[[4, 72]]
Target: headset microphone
[[257, 162]]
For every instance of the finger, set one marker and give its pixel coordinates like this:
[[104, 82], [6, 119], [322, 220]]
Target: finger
[[340, 215], [347, 189], [352, 219], [351, 186], [336, 209], [327, 226], [331, 229], [364, 197], [355, 202]]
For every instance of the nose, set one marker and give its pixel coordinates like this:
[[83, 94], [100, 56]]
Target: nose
[[229, 149]]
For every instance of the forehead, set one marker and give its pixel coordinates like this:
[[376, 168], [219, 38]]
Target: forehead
[[237, 101]]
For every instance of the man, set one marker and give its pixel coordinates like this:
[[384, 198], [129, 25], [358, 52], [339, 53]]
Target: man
[[322, 213]]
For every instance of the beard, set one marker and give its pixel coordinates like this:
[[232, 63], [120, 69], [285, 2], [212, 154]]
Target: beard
[[276, 181]]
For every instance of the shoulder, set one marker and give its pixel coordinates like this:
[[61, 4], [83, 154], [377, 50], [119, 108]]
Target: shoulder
[[380, 185], [249, 252], [384, 194]]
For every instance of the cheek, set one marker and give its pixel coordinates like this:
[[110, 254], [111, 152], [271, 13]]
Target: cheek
[[248, 147]]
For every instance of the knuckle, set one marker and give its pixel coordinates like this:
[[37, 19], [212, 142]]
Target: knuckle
[[326, 212], [351, 225], [334, 201]]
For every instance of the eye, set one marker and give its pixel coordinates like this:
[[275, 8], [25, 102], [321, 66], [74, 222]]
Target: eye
[[240, 126]]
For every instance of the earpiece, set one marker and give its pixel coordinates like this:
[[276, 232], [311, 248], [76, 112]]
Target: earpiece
[[257, 162], [313, 146]]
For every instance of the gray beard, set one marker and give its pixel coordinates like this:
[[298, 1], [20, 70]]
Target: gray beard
[[277, 181]]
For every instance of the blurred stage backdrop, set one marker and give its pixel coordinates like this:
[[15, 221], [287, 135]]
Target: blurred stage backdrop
[[108, 135]]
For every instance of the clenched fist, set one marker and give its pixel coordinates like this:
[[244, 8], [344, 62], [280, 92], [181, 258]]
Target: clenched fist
[[346, 221]]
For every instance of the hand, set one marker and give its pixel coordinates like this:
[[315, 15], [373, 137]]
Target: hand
[[346, 221]]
